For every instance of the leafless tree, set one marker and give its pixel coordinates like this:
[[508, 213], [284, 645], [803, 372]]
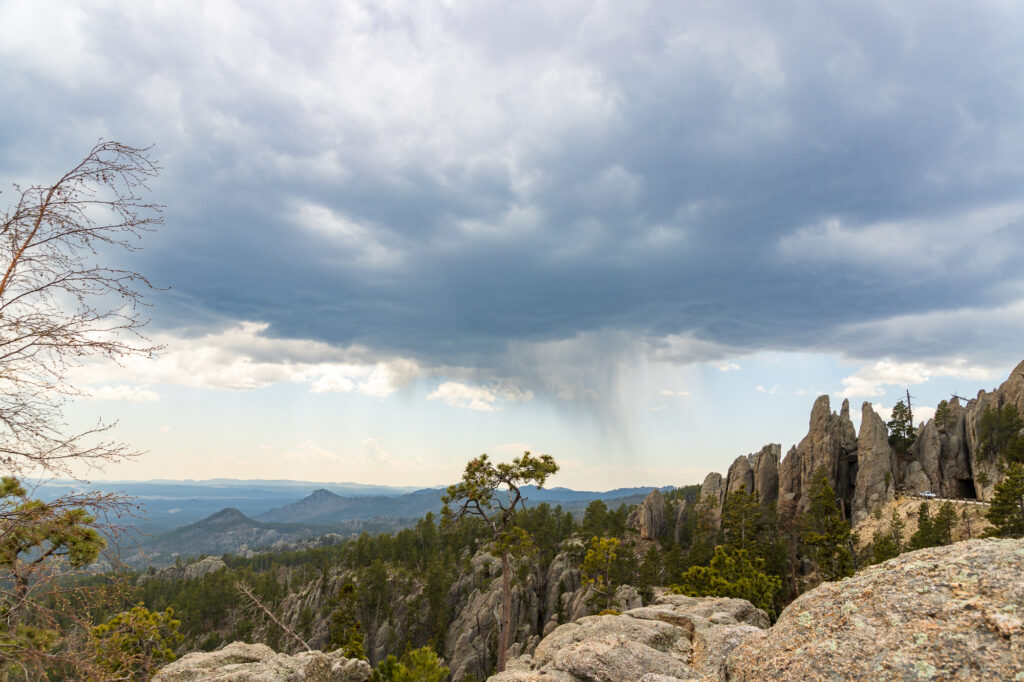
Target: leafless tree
[[60, 306], [63, 305]]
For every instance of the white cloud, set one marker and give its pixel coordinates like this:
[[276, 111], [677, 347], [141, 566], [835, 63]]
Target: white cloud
[[375, 450], [361, 240], [869, 382], [725, 366], [310, 453], [681, 394], [770, 391], [243, 357], [922, 413], [934, 241], [478, 398]]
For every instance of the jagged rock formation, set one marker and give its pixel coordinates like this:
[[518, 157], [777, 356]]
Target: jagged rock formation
[[649, 517], [875, 465], [681, 511], [675, 637], [954, 612], [862, 469], [240, 662], [765, 464], [829, 443], [540, 604], [714, 487]]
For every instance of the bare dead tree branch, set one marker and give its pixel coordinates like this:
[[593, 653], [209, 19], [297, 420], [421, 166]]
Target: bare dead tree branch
[[247, 591]]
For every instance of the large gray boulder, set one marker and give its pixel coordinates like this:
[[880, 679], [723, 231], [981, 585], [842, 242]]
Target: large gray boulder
[[944, 613], [876, 477], [240, 662], [676, 637]]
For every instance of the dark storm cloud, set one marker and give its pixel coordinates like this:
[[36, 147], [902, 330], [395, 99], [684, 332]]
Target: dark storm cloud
[[443, 183]]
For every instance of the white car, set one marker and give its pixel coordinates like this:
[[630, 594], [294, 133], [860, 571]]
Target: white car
[[928, 494]]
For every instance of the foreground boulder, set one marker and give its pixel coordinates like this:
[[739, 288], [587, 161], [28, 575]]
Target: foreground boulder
[[675, 637], [944, 613], [240, 662]]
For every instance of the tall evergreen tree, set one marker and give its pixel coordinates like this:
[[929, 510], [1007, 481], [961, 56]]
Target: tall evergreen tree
[[824, 533], [1006, 511], [901, 427]]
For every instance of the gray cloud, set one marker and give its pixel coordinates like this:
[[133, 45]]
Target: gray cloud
[[484, 178]]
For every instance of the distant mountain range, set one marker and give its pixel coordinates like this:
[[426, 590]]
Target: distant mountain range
[[165, 504], [324, 513], [326, 507]]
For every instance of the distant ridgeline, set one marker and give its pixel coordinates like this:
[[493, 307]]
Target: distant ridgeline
[[866, 470]]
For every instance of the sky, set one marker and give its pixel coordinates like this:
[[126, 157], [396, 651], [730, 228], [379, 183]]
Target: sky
[[640, 237]]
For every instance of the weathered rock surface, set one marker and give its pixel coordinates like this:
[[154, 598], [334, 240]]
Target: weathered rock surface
[[829, 442], [210, 564], [675, 637], [240, 662], [741, 475], [765, 464], [876, 477], [650, 517], [944, 613], [714, 486]]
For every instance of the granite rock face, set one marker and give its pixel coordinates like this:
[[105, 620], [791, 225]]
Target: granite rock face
[[649, 517], [765, 464], [1010, 392], [943, 613], [240, 662], [676, 637], [876, 479], [829, 443], [714, 486], [741, 475]]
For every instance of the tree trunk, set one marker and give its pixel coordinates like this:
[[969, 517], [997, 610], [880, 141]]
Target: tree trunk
[[506, 610]]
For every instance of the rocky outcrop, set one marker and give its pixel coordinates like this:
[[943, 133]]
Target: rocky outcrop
[[1010, 392], [942, 457], [829, 443], [675, 637], [649, 517], [876, 479], [714, 487], [954, 612], [741, 475], [193, 571], [765, 465], [681, 511], [240, 662]]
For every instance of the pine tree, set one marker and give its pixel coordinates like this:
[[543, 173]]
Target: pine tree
[[346, 632], [901, 428], [945, 521], [925, 535], [599, 569], [1000, 434], [731, 573], [1006, 512], [888, 543], [742, 523], [825, 534]]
